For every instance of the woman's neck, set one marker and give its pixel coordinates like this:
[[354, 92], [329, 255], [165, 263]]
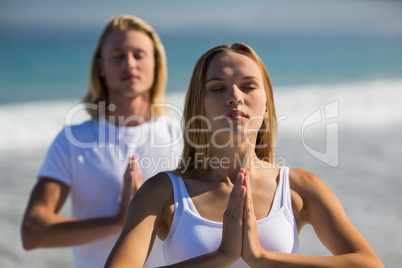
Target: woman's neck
[[226, 162]]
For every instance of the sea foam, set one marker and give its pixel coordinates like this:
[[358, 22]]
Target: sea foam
[[358, 106]]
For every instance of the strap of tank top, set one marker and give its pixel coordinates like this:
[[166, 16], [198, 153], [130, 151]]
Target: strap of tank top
[[277, 201], [178, 209], [180, 193], [178, 204], [187, 202], [287, 199]]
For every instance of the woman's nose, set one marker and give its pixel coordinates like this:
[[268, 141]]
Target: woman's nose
[[235, 97]]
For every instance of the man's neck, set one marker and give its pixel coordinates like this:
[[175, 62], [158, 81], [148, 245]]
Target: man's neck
[[126, 112]]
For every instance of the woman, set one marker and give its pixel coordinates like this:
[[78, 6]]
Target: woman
[[128, 76], [228, 204]]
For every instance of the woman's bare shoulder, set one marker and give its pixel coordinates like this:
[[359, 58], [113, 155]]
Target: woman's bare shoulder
[[303, 181], [307, 192], [310, 188], [156, 189]]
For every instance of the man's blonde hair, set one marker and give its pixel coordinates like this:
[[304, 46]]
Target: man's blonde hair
[[97, 87]]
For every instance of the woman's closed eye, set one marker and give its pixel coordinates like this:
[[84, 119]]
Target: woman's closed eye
[[249, 86], [215, 87]]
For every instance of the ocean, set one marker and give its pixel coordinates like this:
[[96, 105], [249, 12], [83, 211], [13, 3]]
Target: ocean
[[337, 99]]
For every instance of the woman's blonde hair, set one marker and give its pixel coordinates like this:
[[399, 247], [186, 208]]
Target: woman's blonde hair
[[97, 87], [196, 143]]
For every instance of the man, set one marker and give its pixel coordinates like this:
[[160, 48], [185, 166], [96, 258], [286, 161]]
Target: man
[[127, 78]]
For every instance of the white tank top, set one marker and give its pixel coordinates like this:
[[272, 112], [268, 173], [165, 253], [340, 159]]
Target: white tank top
[[191, 235]]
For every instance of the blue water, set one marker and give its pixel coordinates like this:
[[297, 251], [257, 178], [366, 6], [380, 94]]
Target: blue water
[[45, 64]]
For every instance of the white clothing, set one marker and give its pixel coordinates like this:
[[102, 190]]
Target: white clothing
[[92, 157], [191, 235]]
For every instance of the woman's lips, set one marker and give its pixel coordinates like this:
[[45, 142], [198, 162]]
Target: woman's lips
[[236, 115]]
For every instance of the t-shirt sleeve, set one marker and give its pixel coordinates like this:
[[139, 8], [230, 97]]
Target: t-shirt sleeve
[[57, 163]]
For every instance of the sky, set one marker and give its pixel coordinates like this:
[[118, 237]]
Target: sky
[[383, 17]]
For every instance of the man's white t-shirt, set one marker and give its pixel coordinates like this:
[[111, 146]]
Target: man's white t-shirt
[[92, 157]]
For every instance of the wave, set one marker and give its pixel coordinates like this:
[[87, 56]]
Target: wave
[[359, 106]]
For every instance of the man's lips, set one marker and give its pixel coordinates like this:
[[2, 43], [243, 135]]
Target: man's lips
[[130, 77]]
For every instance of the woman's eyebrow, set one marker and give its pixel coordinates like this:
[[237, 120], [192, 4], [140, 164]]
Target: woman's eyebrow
[[215, 79], [249, 77]]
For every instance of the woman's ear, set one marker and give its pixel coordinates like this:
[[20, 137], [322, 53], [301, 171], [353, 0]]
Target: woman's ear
[[266, 114], [99, 64]]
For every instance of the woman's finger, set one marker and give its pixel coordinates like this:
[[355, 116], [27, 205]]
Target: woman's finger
[[232, 232]]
